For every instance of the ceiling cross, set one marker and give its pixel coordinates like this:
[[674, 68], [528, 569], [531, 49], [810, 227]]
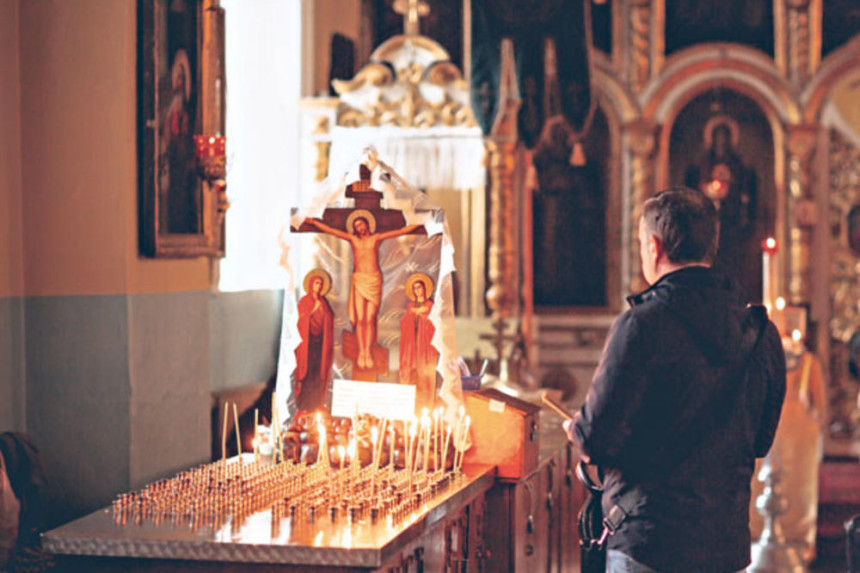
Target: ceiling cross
[[412, 11]]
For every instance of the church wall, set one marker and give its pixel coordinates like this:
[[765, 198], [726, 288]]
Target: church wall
[[12, 390], [117, 350]]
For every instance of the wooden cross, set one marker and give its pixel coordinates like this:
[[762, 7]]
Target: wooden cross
[[498, 339], [412, 11]]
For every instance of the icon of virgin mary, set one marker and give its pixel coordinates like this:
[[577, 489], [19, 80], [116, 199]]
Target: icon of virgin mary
[[418, 357]]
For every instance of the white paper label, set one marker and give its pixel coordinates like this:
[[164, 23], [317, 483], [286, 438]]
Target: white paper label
[[497, 406], [380, 399]]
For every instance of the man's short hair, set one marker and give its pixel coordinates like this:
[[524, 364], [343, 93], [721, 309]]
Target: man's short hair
[[686, 221]]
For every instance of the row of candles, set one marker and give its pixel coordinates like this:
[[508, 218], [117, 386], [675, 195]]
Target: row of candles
[[234, 489]]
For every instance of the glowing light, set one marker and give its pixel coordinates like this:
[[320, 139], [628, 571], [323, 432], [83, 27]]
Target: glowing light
[[780, 303], [796, 335]]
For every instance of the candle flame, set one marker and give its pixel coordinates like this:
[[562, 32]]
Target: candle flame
[[780, 303], [770, 243], [796, 335]]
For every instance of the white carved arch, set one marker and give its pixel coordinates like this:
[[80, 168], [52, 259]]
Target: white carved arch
[[832, 69], [695, 70]]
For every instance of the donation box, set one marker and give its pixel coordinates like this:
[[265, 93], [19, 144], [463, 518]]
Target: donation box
[[504, 432]]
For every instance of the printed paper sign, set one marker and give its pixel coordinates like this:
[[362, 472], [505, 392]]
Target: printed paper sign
[[380, 399]]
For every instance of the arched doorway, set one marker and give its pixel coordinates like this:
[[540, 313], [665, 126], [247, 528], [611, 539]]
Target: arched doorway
[[721, 142]]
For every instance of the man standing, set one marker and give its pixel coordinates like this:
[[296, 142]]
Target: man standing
[[687, 394]]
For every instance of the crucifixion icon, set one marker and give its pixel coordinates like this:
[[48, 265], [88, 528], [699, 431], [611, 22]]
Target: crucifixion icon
[[365, 228]]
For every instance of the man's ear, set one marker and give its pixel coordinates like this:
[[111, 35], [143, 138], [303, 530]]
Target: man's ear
[[656, 248]]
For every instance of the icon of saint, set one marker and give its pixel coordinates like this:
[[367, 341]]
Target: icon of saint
[[365, 291], [178, 164], [314, 353], [418, 357]]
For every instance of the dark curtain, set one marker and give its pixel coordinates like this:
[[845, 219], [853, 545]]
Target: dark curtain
[[529, 25]]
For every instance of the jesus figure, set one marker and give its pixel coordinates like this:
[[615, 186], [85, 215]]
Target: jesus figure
[[365, 292]]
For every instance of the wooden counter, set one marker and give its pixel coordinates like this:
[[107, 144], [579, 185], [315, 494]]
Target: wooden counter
[[444, 532]]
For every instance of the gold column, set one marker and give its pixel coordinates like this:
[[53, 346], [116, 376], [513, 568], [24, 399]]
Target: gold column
[[797, 38], [801, 145], [503, 272], [642, 141], [638, 47], [502, 296]]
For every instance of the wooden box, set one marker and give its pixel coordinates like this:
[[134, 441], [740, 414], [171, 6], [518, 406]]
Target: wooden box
[[504, 432]]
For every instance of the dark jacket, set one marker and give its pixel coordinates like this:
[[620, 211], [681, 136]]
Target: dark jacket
[[671, 413]]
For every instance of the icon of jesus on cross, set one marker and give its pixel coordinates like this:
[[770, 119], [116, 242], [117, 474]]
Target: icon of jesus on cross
[[365, 291]]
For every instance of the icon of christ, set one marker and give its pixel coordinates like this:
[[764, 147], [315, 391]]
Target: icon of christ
[[365, 291]]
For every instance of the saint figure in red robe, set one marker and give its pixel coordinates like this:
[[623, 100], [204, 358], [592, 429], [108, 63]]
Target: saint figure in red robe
[[418, 358], [314, 353]]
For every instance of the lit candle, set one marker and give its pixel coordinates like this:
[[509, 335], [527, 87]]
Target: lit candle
[[276, 442], [425, 432], [796, 337], [768, 268], [410, 460], [224, 433], [374, 440], [391, 453], [445, 446], [437, 418], [238, 436], [341, 454], [464, 440], [323, 447], [353, 459]]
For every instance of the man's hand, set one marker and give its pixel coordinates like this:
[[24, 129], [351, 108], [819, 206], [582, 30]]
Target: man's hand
[[568, 429]]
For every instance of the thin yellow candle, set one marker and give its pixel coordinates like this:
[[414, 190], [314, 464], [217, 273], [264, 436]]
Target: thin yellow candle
[[238, 435], [436, 419], [224, 432], [323, 447], [256, 448], [353, 458], [374, 440], [274, 435], [341, 453], [425, 431], [276, 428], [413, 432], [391, 453], [464, 441], [445, 447]]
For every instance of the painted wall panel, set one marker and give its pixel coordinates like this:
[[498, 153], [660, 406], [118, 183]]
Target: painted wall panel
[[170, 398], [77, 398], [245, 336], [12, 384]]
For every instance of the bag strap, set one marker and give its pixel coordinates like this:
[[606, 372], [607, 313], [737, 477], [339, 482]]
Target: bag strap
[[628, 502]]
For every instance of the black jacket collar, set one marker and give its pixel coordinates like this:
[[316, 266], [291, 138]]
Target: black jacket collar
[[689, 274]]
